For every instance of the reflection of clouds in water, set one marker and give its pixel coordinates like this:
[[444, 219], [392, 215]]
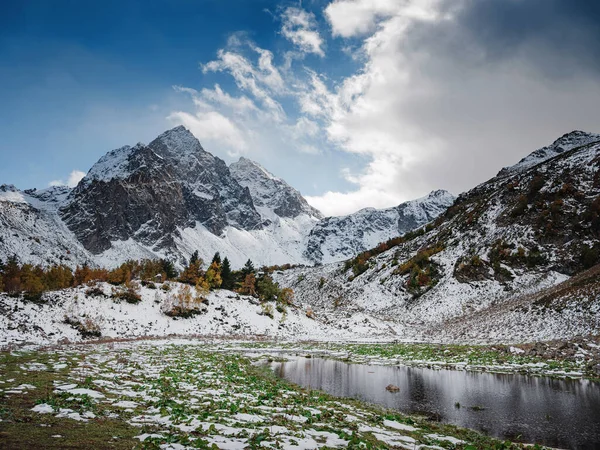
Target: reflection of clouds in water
[[555, 412]]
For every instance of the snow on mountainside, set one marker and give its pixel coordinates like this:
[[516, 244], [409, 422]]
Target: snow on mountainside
[[338, 238], [566, 142], [168, 199], [31, 229], [496, 266]]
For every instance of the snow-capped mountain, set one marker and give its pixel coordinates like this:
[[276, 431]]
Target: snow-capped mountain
[[514, 259], [338, 238], [170, 198]]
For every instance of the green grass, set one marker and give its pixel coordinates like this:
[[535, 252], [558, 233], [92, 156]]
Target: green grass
[[191, 395]]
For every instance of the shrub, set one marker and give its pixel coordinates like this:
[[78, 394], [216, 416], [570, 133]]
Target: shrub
[[86, 327], [94, 291], [184, 303], [130, 293], [286, 296], [589, 256], [321, 283], [267, 310]]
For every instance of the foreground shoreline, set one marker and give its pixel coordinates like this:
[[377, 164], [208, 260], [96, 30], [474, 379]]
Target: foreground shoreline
[[575, 358]]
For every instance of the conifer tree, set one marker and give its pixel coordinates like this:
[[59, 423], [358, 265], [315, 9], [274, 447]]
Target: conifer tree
[[226, 275], [194, 259], [216, 259], [213, 276], [193, 272], [247, 269], [169, 269]]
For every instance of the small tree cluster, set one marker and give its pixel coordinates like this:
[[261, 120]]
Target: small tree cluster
[[360, 263], [32, 281], [193, 273]]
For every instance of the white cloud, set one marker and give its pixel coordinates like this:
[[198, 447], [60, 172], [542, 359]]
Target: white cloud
[[261, 81], [255, 120], [350, 18], [74, 178], [299, 27]]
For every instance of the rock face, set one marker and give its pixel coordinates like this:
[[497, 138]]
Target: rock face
[[171, 197], [339, 238], [147, 192], [31, 228]]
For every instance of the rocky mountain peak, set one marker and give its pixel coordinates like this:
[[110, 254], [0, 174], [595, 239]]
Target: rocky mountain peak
[[270, 193], [176, 141], [574, 139]]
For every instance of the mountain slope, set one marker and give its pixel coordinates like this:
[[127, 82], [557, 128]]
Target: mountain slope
[[564, 143], [512, 236], [338, 238], [31, 228]]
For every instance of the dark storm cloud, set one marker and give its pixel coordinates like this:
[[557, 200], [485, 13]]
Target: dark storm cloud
[[558, 37]]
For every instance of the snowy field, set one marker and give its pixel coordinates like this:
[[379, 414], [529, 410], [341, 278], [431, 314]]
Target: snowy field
[[60, 316], [182, 394]]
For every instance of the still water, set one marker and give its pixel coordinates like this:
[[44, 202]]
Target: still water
[[552, 412]]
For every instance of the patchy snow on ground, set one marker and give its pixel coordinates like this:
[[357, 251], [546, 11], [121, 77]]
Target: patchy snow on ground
[[192, 394]]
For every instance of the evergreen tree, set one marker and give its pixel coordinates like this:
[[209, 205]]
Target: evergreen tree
[[267, 289], [194, 259], [11, 275], [247, 269], [216, 259], [193, 272], [226, 275], [169, 269]]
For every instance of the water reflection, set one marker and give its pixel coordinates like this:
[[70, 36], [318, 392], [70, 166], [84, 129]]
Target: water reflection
[[559, 413]]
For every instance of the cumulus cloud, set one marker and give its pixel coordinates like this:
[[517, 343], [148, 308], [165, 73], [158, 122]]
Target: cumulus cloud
[[74, 178], [255, 120], [299, 27], [213, 127], [447, 92], [262, 80], [451, 91]]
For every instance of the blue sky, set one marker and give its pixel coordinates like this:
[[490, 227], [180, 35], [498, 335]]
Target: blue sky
[[356, 103]]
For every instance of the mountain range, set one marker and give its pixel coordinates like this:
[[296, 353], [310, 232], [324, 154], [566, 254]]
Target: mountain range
[[513, 259], [171, 197]]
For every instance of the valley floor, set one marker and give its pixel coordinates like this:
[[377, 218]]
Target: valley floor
[[173, 394]]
